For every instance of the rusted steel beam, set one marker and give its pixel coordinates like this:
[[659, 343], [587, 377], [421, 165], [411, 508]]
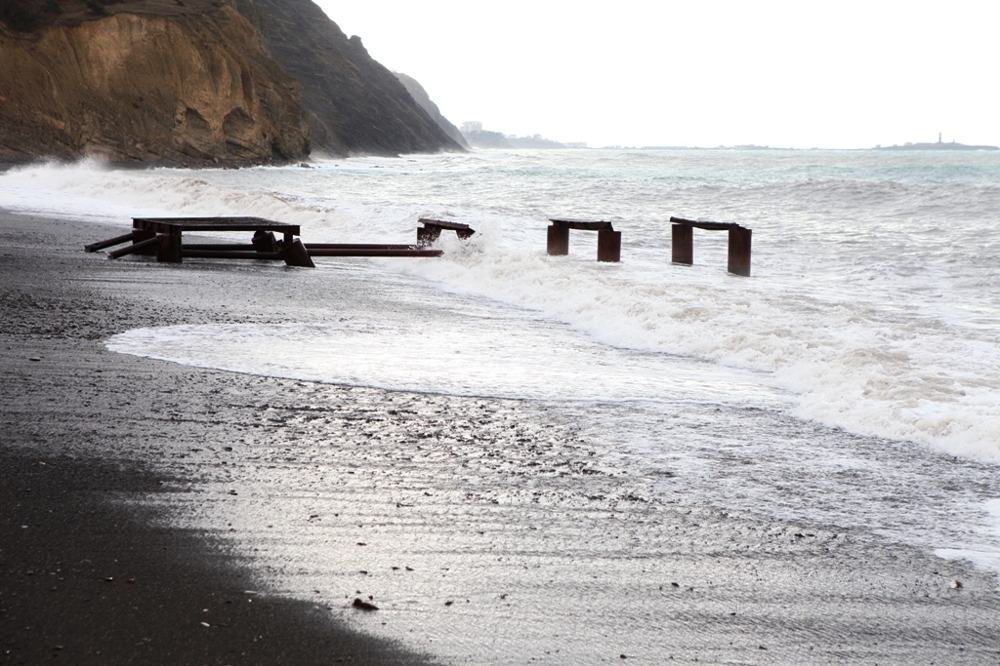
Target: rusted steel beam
[[739, 250], [140, 235], [111, 242], [358, 252], [431, 230], [135, 247], [164, 225], [168, 248], [452, 226], [295, 254], [427, 235], [196, 252], [264, 241], [358, 246], [682, 248], [609, 245], [714, 226], [219, 247], [582, 225], [682, 243], [609, 241], [557, 243]]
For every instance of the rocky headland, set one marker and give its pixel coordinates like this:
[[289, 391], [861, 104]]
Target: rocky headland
[[196, 82], [421, 97], [480, 138], [355, 105]]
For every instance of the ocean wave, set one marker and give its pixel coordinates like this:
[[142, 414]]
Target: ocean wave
[[874, 297]]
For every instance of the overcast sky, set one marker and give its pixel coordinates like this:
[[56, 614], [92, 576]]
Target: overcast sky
[[699, 73]]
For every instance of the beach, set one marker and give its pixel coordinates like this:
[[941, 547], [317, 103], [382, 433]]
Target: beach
[[202, 516]]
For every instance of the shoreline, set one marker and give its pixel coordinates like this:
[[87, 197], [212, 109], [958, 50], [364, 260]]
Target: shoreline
[[89, 572], [586, 552]]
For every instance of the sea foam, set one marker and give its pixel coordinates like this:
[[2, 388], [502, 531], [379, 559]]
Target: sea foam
[[873, 297]]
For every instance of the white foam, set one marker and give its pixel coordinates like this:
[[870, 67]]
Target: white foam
[[471, 356], [983, 556], [874, 297], [853, 364]]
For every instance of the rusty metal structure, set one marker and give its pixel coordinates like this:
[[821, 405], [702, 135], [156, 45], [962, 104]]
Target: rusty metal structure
[[682, 243], [431, 231], [609, 241], [163, 238]]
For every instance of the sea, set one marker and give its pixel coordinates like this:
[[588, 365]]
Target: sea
[[872, 313]]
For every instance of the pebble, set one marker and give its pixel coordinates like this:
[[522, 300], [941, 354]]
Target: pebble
[[364, 605]]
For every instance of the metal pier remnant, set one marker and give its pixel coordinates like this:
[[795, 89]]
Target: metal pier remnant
[[427, 234], [609, 241], [163, 236], [682, 236]]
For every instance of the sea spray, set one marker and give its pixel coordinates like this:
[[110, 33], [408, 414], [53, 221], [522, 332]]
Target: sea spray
[[873, 298]]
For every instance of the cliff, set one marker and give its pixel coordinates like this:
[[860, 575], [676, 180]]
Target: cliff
[[162, 82], [355, 104], [421, 97], [196, 82]]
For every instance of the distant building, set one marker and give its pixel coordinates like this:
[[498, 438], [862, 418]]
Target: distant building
[[471, 126]]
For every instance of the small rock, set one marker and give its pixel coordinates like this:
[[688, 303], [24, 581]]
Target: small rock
[[364, 605], [34, 358]]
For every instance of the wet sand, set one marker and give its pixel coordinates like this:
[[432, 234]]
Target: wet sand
[[486, 531]]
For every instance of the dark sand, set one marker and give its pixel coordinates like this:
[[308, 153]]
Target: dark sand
[[85, 576], [555, 550]]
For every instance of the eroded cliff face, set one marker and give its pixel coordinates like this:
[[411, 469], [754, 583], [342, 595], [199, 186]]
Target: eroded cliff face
[[185, 86]]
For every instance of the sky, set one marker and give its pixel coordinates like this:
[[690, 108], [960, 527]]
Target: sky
[[784, 74]]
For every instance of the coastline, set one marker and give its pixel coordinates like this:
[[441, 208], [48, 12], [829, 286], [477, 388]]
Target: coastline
[[89, 574], [747, 589]]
